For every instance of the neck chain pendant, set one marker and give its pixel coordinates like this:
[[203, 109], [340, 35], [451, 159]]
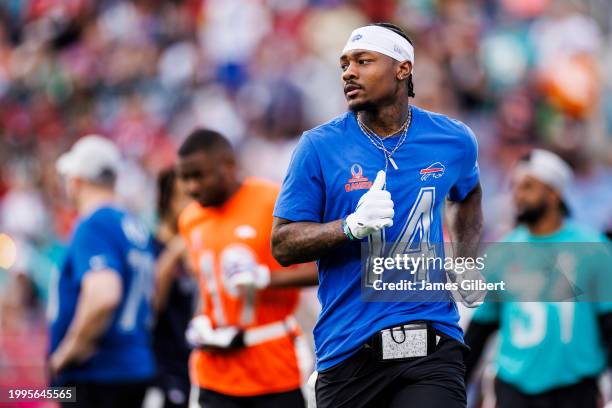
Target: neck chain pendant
[[393, 163], [378, 142]]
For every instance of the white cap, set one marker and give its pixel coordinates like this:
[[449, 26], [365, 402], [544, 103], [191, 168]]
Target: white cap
[[89, 158], [548, 168]]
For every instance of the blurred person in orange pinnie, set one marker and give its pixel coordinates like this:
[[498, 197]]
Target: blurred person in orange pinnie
[[246, 338]]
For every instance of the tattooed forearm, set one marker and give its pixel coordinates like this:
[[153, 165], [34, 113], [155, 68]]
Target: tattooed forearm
[[297, 242], [465, 227], [465, 223]]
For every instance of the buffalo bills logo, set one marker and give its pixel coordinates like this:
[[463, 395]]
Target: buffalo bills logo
[[356, 37], [435, 170]]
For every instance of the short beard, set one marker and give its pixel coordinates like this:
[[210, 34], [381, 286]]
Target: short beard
[[531, 216], [216, 201], [364, 106]]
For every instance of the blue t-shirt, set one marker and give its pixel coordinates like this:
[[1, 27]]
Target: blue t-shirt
[[331, 168], [109, 238]]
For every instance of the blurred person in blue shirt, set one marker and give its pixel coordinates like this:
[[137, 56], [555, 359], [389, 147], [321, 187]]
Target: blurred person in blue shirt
[[550, 353], [380, 174], [101, 314]]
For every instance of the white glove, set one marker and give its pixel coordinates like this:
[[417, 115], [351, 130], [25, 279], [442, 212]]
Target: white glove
[[200, 333], [469, 298], [241, 270], [257, 277], [374, 210]]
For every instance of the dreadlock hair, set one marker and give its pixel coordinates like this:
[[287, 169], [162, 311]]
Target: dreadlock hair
[[165, 191], [401, 33]]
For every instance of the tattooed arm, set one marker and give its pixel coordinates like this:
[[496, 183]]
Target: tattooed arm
[[465, 223], [465, 227], [297, 242]]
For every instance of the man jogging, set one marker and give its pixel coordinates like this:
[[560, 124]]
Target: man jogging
[[380, 174]]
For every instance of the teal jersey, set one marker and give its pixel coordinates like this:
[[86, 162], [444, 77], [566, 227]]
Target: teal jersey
[[545, 345]]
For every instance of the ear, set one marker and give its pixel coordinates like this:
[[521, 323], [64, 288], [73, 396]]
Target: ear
[[404, 69], [556, 198], [72, 182], [229, 163], [71, 186]]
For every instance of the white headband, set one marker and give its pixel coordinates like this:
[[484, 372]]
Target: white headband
[[548, 168], [383, 40]]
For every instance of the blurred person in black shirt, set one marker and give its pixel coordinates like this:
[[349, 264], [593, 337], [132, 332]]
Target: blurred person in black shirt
[[175, 295]]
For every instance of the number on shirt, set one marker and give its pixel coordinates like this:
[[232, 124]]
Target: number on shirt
[[207, 271], [414, 237], [141, 287], [529, 325], [53, 298], [232, 254]]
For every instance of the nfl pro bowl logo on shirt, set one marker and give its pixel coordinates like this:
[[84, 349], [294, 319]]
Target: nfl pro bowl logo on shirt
[[357, 180]]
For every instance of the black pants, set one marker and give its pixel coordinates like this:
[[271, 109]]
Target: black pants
[[362, 381], [108, 395], [176, 390], [585, 394], [289, 399]]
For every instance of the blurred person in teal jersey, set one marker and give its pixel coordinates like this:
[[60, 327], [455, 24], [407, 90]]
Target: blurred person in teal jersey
[[550, 354]]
